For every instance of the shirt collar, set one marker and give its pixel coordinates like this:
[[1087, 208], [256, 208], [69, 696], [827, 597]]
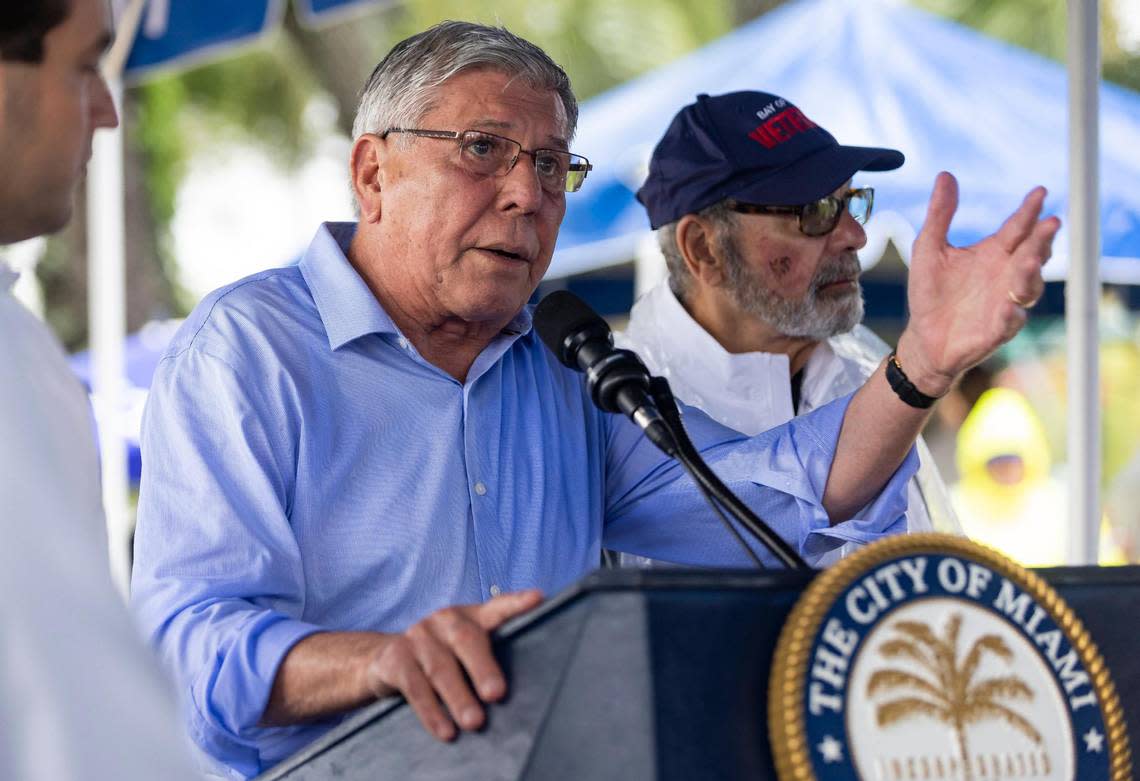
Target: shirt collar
[[520, 323], [659, 316], [346, 305], [8, 277]]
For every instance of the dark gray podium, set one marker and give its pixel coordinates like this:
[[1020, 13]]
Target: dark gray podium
[[654, 674]]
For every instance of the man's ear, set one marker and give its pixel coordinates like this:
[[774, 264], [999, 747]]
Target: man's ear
[[697, 242], [366, 168]]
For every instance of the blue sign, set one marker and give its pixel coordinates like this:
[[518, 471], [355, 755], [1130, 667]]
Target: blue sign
[[311, 9], [179, 31]]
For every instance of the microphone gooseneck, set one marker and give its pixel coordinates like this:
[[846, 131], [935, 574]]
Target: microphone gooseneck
[[618, 381]]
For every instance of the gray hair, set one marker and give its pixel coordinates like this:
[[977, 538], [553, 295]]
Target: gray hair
[[722, 219], [401, 88]]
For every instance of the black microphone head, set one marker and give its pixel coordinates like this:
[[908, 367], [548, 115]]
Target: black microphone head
[[563, 320]]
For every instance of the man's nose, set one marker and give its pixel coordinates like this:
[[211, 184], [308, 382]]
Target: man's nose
[[102, 106], [848, 234], [521, 187]]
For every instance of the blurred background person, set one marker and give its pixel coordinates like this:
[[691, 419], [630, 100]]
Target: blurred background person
[[1005, 493], [1008, 495]]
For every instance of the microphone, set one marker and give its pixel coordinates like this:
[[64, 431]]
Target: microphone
[[616, 379], [619, 382]]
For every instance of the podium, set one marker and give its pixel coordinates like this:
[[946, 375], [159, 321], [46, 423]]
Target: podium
[[650, 674]]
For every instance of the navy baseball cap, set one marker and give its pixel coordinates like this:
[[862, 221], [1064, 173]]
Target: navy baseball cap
[[754, 147]]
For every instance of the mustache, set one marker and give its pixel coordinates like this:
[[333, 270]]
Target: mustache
[[846, 266]]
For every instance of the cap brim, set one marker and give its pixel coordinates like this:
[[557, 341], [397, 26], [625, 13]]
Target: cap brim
[[814, 176]]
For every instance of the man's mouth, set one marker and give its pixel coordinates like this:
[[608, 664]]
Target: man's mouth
[[844, 273], [837, 283], [507, 253]]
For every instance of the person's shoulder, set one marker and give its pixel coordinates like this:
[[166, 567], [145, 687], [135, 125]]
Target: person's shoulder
[[861, 349], [253, 309], [18, 327]]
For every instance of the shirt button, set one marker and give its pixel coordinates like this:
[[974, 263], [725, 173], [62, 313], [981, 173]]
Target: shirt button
[[495, 590], [480, 488], [403, 342]]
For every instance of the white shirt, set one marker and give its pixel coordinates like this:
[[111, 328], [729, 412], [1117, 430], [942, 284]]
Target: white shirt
[[80, 696], [751, 392]]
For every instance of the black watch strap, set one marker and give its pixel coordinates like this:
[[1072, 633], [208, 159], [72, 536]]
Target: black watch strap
[[903, 387]]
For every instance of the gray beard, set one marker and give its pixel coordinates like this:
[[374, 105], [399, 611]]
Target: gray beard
[[812, 316]]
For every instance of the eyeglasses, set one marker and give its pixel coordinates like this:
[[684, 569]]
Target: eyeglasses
[[819, 218], [487, 154]]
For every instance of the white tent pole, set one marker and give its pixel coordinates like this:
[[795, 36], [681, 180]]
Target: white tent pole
[[107, 304], [1082, 291], [106, 247]]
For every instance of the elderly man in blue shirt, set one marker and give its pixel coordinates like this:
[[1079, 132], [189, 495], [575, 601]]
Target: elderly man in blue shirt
[[357, 467]]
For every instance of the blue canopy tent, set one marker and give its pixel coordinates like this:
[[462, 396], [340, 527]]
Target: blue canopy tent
[[878, 73], [141, 352]]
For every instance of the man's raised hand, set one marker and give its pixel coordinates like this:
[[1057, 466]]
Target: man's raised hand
[[965, 302]]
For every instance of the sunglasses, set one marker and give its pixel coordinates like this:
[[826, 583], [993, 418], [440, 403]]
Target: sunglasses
[[819, 218]]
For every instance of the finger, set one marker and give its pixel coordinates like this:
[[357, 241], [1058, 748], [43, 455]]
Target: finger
[[424, 703], [1020, 224], [1026, 284], [940, 211], [471, 643], [1039, 244], [409, 677], [1027, 292], [1031, 289], [492, 613], [1014, 319], [445, 675]]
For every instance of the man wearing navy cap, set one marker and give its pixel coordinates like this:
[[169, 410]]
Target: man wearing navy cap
[[759, 225]]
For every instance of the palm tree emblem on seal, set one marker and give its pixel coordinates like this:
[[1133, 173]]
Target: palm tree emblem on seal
[[950, 694]]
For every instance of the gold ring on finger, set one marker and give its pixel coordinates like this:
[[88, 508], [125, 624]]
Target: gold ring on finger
[[1023, 304]]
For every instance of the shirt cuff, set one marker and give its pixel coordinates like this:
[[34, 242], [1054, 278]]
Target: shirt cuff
[[815, 438], [230, 697], [885, 516]]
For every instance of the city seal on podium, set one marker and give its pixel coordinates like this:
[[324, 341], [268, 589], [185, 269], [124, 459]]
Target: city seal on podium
[[928, 657]]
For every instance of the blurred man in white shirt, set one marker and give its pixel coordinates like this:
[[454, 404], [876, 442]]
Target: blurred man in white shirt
[[80, 697]]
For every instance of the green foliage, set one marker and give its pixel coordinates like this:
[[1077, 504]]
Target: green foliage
[[1123, 70], [61, 281], [1040, 26], [158, 136], [600, 43], [258, 96]]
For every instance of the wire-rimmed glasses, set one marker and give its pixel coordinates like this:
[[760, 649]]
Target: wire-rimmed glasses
[[488, 154]]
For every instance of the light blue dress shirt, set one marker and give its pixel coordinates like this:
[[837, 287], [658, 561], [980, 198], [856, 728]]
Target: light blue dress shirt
[[305, 469]]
